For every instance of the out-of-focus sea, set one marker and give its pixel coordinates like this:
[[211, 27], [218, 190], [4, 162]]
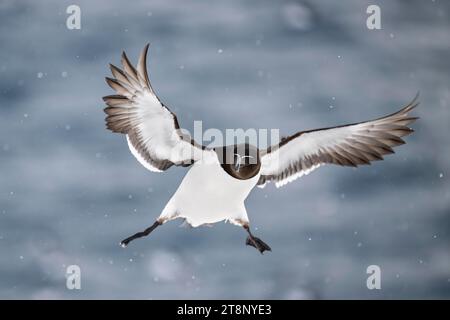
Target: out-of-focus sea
[[70, 190]]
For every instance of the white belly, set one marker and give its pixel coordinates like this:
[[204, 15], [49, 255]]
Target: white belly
[[208, 194]]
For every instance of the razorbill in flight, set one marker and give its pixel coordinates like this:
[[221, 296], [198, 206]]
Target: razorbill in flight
[[220, 179]]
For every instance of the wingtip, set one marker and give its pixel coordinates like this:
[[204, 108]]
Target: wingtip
[[415, 102], [113, 68], [145, 51], [125, 59], [142, 67], [409, 107], [109, 80]]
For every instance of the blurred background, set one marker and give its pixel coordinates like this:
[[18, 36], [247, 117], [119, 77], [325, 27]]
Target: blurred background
[[70, 190]]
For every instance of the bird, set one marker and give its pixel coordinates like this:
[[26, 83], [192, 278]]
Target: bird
[[219, 179]]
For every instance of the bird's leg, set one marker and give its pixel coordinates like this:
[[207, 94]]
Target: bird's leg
[[141, 234], [255, 242]]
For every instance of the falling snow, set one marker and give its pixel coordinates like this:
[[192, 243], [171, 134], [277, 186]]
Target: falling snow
[[70, 190]]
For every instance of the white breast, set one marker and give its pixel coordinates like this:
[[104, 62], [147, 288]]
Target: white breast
[[208, 194]]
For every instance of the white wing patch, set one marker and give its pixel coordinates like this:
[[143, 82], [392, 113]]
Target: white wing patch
[[139, 158], [296, 175]]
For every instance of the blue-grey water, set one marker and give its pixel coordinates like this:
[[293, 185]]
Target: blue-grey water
[[70, 190]]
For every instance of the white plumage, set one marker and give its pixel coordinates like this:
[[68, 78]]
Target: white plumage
[[208, 195]]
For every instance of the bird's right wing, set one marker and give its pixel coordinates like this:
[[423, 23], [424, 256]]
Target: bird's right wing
[[348, 145], [152, 130]]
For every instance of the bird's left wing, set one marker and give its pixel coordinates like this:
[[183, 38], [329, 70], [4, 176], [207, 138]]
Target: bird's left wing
[[348, 145], [153, 133]]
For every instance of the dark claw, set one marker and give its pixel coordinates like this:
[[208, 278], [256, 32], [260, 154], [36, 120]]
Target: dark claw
[[123, 244], [258, 244]]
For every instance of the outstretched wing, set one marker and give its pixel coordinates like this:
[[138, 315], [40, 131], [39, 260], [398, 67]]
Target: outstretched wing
[[153, 133], [348, 145]]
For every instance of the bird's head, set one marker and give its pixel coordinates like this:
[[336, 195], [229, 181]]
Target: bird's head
[[241, 161]]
